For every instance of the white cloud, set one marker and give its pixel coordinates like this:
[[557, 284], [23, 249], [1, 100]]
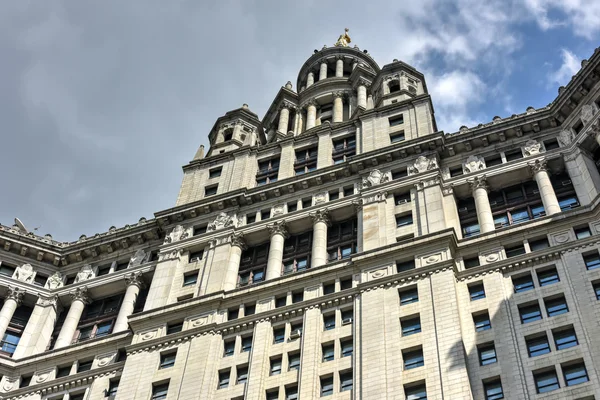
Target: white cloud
[[569, 67], [582, 16]]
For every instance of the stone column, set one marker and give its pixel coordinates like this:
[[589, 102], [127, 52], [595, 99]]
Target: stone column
[[310, 79], [311, 115], [278, 235], [80, 299], [339, 67], [482, 204], [134, 282], [238, 245], [370, 103], [323, 71], [540, 172], [297, 122], [362, 95], [11, 302], [38, 331], [284, 117], [321, 222], [338, 107]]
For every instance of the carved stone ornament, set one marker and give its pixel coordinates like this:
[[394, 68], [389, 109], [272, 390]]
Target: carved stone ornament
[[170, 255], [277, 210], [320, 198], [86, 272], [587, 114], [198, 321], [375, 198], [55, 281], [10, 383], [177, 234], [423, 164], [80, 294], [478, 182], [321, 216], [148, 335], [278, 228], [42, 376], [138, 258], [46, 301], [537, 166], [24, 273], [376, 177], [565, 137], [135, 278], [532, 147], [223, 220], [105, 359], [14, 293], [473, 164], [237, 239]]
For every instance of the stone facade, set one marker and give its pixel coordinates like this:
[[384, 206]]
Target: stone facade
[[340, 247]]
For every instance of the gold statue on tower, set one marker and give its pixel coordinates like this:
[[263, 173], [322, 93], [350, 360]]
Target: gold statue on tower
[[344, 39]]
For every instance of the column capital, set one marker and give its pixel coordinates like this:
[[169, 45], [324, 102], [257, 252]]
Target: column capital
[[538, 165], [478, 182], [15, 293], [339, 57], [321, 215], [81, 294], [287, 105], [237, 239], [278, 228], [338, 94], [136, 279], [309, 103], [46, 301], [358, 205]]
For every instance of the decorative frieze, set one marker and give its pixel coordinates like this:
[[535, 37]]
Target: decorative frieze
[[376, 177], [178, 233], [423, 164], [473, 164], [55, 281], [86, 272], [532, 147], [24, 273]]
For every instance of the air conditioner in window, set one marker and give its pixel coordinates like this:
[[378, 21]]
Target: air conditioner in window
[[347, 321], [463, 209], [195, 259], [402, 201], [567, 182], [295, 334]]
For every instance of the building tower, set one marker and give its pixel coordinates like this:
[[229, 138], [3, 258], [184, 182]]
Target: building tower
[[341, 247]]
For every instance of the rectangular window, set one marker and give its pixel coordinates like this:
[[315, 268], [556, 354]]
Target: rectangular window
[[343, 149], [196, 256], [167, 360], [307, 202], [471, 262], [174, 327], [329, 322], [210, 190], [396, 120], [291, 393], [546, 381], [551, 144], [293, 361], [347, 316], [334, 195], [456, 171], [233, 313], [592, 261], [493, 160], [402, 266], [408, 295], [246, 343], [199, 230], [265, 214], [296, 330], [411, 326], [547, 276], [63, 371], [399, 173], [215, 172], [328, 288], [275, 366], [568, 202], [493, 389], [564, 338], [539, 244], [347, 347], [413, 359], [273, 394], [113, 387], [513, 155], [482, 321], [556, 306], [223, 379], [401, 198], [280, 301], [515, 250], [404, 220], [190, 278], [228, 348], [575, 374], [84, 366], [102, 270], [487, 354], [160, 391], [348, 191], [267, 171], [418, 392], [250, 218], [596, 287], [328, 352], [249, 309], [582, 232], [292, 206], [306, 160], [297, 297], [537, 345], [326, 386], [6, 270], [523, 283], [346, 283], [476, 291], [279, 335], [530, 313], [242, 374], [397, 137], [345, 381]]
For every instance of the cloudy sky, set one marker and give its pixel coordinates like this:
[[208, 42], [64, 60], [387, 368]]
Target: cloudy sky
[[101, 103]]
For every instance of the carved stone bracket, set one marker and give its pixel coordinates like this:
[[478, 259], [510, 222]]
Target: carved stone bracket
[[376, 177], [321, 216], [278, 228], [473, 164], [138, 258], [81, 294], [565, 137], [178, 233], [532, 147], [478, 182], [55, 281], [14, 293], [24, 273], [46, 301], [423, 164]]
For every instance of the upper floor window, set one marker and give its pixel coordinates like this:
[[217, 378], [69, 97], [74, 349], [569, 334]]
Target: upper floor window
[[227, 134], [343, 148], [396, 120], [267, 171], [6, 270], [342, 239], [215, 172], [211, 190], [306, 160], [296, 253], [253, 265], [394, 86]]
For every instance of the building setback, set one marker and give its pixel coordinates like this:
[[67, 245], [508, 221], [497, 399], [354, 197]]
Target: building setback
[[341, 247]]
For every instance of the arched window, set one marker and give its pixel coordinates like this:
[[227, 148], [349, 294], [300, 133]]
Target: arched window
[[228, 134], [394, 86]]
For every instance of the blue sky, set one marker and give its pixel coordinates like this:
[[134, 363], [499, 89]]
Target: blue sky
[[102, 103]]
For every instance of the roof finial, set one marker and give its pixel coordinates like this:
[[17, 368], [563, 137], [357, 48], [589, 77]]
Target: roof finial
[[344, 39]]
